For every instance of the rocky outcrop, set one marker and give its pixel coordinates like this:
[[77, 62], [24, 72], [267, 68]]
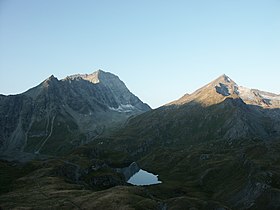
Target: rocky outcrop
[[129, 171], [98, 176]]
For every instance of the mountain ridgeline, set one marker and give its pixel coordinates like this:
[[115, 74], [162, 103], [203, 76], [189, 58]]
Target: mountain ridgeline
[[59, 115], [219, 110], [217, 148]]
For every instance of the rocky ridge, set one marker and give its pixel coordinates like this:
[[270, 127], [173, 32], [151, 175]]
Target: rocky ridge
[[59, 115], [223, 87]]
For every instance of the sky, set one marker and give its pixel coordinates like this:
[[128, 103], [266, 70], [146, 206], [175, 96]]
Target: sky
[[161, 49]]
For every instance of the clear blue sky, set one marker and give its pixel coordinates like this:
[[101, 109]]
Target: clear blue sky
[[161, 49]]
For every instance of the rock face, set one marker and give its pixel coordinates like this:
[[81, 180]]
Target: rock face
[[59, 115]]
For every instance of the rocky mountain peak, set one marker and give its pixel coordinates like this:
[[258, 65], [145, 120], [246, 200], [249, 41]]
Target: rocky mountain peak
[[224, 87], [83, 104], [223, 79], [103, 77], [213, 93], [227, 87], [96, 77], [51, 79], [108, 90]]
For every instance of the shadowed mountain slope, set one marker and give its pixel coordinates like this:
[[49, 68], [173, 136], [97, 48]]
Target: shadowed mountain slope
[[213, 112], [213, 149], [59, 115]]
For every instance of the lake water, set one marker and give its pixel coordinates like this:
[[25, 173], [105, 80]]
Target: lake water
[[143, 178]]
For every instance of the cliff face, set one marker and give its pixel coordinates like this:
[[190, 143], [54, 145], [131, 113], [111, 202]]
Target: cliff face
[[58, 115]]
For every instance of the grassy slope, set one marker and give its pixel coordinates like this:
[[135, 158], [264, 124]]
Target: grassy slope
[[41, 189], [221, 175], [206, 176], [198, 169]]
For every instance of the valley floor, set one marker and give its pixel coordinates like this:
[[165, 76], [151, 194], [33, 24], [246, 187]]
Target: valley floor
[[244, 175]]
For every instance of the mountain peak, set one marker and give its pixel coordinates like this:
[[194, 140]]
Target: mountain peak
[[95, 77], [224, 79], [212, 93], [117, 97], [49, 80], [100, 71], [52, 77], [100, 76], [222, 88]]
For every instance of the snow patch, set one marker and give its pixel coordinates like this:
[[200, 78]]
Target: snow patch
[[235, 89], [124, 108], [245, 93]]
